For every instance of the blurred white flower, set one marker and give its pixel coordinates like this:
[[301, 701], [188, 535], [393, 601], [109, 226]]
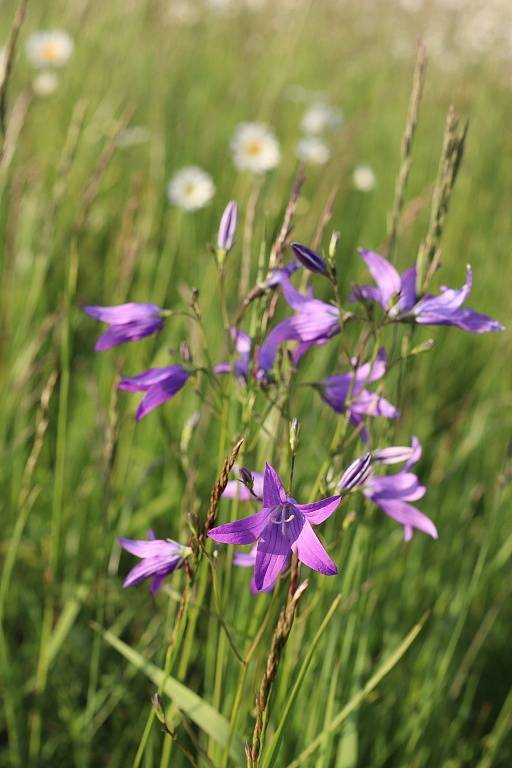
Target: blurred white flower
[[132, 135], [319, 117], [184, 12], [190, 188], [364, 178], [255, 148], [45, 83], [313, 151], [51, 48]]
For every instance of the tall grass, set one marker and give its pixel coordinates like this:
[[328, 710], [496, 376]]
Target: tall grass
[[401, 660]]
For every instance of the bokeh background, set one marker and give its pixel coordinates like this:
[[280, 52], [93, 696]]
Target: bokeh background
[[153, 86]]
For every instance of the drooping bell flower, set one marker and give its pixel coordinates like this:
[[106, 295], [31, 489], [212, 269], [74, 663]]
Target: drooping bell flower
[[128, 322], [348, 393], [159, 558], [158, 384], [314, 322], [397, 296]]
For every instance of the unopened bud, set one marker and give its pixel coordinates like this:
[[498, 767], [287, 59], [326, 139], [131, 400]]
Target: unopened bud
[[158, 706], [185, 352], [333, 246], [309, 258], [294, 435], [227, 230], [246, 477]]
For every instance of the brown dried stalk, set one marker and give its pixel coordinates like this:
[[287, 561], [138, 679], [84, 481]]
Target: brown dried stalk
[[451, 157], [406, 149], [215, 496], [10, 52], [281, 633]]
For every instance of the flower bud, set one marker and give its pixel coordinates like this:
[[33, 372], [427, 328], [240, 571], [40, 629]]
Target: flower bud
[[246, 477], [185, 352], [158, 706], [294, 435], [358, 472], [308, 258], [227, 228]]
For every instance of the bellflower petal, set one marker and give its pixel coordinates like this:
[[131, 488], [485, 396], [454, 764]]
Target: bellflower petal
[[466, 319], [271, 557], [384, 274], [120, 334], [408, 290], [243, 531], [366, 293], [273, 491], [147, 379], [311, 552], [123, 313], [371, 404], [319, 511], [403, 485], [408, 516]]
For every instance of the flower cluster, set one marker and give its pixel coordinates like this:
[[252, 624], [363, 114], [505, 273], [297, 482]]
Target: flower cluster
[[282, 528]]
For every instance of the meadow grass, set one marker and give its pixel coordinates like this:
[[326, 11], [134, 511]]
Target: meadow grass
[[410, 667]]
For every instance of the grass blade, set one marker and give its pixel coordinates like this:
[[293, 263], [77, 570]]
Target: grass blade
[[193, 706], [354, 702]]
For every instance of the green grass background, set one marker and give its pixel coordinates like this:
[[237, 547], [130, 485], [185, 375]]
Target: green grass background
[[85, 222]]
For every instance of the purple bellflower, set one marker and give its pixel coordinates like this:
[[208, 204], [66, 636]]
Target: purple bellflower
[[240, 368], [315, 322], [392, 493], [280, 527], [309, 258], [227, 227], [348, 393], [128, 322], [159, 385], [397, 296], [159, 558]]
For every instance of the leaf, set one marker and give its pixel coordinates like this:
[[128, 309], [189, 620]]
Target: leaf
[[354, 702], [193, 706]]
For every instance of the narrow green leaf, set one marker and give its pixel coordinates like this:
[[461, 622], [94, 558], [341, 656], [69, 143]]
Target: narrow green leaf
[[273, 749], [354, 702], [193, 706]]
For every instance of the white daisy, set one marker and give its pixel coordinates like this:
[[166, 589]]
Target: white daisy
[[320, 116], [364, 178], [255, 148], [51, 48], [45, 83], [190, 188], [313, 151]]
